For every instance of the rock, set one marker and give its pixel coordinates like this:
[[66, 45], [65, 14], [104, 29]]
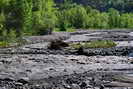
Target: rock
[[23, 80], [8, 79], [75, 86], [115, 51], [83, 85], [57, 44], [19, 84], [3, 88], [81, 51], [102, 87], [69, 81], [130, 54], [66, 86]]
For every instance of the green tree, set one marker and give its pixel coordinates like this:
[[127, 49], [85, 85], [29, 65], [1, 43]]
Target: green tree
[[27, 6], [114, 18], [2, 20], [101, 21], [91, 19], [130, 21], [124, 20], [63, 21], [78, 16], [44, 17], [3, 4], [14, 17]]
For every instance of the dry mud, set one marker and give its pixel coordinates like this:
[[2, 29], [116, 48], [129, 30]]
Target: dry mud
[[34, 66]]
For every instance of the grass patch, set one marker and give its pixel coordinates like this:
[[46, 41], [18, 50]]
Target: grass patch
[[76, 45], [56, 30], [71, 30], [4, 44], [94, 44], [100, 44]]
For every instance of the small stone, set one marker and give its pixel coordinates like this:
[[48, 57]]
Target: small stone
[[65, 70], [75, 86], [67, 86], [9, 79], [83, 85], [18, 84], [23, 80]]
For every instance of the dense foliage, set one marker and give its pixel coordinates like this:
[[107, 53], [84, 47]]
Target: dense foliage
[[39, 17], [104, 5], [25, 17], [79, 16]]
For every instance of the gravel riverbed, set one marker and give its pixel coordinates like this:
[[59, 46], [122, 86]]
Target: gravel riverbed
[[34, 66]]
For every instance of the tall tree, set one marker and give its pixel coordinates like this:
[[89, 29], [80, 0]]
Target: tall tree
[[14, 16], [44, 16], [78, 16], [27, 6], [114, 18]]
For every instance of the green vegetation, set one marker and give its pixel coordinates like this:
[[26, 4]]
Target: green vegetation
[[104, 5], [94, 44], [79, 16], [4, 44], [76, 45], [100, 44], [40, 17], [25, 17]]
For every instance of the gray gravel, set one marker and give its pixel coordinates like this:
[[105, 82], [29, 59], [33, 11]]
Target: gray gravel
[[34, 64]]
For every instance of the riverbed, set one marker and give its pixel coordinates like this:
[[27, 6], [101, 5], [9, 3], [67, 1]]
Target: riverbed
[[35, 66]]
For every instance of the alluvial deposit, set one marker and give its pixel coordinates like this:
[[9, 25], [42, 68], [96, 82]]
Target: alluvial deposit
[[48, 62]]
